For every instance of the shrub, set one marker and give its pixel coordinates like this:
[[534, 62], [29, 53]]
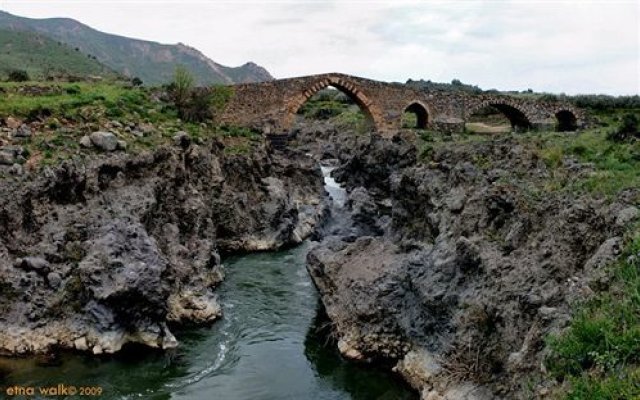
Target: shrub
[[136, 81], [628, 129], [219, 96], [18, 76], [181, 88], [196, 104], [205, 103], [74, 89]]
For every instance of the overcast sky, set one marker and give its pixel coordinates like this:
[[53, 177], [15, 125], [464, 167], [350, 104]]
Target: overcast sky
[[579, 46]]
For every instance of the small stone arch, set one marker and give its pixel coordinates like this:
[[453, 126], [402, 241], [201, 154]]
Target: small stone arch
[[516, 116], [566, 121], [422, 113], [372, 114]]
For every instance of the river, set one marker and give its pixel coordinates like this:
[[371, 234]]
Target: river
[[270, 344]]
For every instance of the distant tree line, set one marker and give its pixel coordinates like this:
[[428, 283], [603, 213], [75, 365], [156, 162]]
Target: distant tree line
[[455, 86], [596, 101]]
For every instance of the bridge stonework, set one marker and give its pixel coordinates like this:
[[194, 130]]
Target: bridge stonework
[[271, 106]]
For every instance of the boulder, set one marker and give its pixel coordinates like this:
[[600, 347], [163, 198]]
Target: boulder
[[37, 264], [16, 169], [23, 131], [627, 215], [105, 141], [7, 158], [123, 271], [81, 344], [54, 279], [181, 139], [86, 141], [13, 123]]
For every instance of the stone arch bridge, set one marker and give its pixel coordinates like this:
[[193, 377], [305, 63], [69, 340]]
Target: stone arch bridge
[[271, 106]]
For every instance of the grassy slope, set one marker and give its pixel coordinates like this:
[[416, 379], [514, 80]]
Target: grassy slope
[[153, 62], [39, 56], [69, 111], [599, 355]]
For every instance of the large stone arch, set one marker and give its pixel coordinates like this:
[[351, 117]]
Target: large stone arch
[[348, 87], [422, 111], [517, 115]]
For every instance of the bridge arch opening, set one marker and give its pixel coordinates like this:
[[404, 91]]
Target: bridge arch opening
[[487, 120], [335, 107], [566, 121], [359, 115], [415, 116], [518, 121]]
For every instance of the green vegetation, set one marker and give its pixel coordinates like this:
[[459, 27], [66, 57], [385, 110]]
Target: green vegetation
[[628, 129], [599, 355], [609, 165], [197, 104], [337, 108], [18, 76], [455, 86], [616, 166], [181, 87], [62, 113], [29, 54], [77, 102]]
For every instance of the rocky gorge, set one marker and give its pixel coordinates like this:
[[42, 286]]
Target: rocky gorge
[[454, 269], [95, 255], [449, 266]]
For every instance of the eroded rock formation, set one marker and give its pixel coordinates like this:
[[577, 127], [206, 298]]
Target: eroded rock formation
[[98, 253], [459, 270]]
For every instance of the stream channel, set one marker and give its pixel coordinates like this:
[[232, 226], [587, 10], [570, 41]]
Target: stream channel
[[270, 344]]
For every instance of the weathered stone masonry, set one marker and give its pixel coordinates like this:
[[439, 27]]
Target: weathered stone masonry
[[271, 106]]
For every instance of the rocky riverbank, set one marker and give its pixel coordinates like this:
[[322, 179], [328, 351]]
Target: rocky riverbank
[[458, 265], [118, 249]]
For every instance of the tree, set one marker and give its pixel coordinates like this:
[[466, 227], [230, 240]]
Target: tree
[[136, 81]]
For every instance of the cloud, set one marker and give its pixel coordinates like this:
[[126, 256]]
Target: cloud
[[560, 46]]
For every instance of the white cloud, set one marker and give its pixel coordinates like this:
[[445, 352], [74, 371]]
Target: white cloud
[[559, 46]]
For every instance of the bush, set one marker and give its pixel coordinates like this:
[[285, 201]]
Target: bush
[[628, 129], [18, 76], [181, 88], [136, 81], [204, 103], [74, 89]]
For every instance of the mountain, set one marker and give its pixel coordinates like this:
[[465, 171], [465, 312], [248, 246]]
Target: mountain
[[152, 62], [42, 57]]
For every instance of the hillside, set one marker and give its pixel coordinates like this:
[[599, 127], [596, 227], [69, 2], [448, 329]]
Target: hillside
[[153, 62], [42, 57]]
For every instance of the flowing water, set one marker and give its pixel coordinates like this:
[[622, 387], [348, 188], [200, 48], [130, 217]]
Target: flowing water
[[268, 345]]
